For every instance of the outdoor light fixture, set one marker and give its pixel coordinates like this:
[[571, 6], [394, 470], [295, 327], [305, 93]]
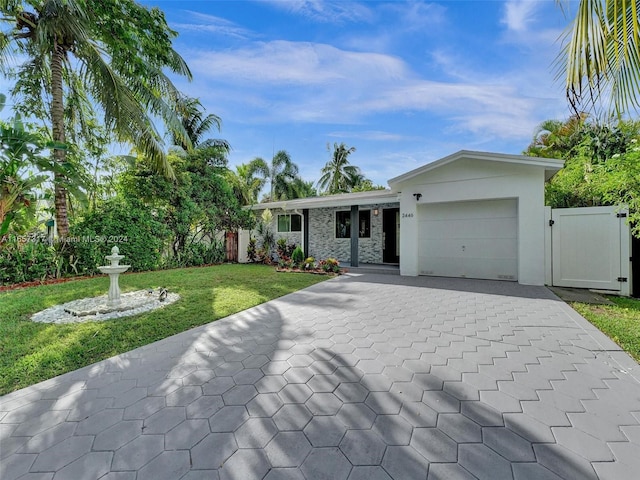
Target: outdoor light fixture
[[418, 196], [375, 212]]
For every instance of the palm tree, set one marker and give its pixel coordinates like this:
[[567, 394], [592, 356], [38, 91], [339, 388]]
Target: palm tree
[[119, 61], [300, 188], [246, 186], [601, 57], [338, 176], [280, 174], [196, 124], [556, 138]]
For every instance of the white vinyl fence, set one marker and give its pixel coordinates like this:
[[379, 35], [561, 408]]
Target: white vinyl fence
[[589, 247]]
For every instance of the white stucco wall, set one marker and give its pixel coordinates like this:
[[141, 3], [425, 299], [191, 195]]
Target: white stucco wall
[[468, 179]]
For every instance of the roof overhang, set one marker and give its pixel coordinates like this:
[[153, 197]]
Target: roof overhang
[[550, 165], [341, 200]]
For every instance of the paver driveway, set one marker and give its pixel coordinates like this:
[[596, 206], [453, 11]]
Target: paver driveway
[[361, 377]]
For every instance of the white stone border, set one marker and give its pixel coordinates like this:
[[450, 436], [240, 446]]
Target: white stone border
[[58, 315]]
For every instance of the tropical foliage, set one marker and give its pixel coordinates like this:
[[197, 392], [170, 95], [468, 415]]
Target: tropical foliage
[[602, 164], [78, 54], [196, 123], [338, 175], [20, 154], [97, 73], [282, 175], [195, 206], [600, 59]]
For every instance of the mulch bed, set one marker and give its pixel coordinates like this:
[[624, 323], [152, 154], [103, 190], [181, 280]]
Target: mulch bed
[[315, 272], [37, 283]]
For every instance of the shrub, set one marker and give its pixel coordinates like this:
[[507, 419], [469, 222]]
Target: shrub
[[139, 234], [309, 263], [282, 263], [252, 253], [297, 256], [268, 239], [281, 247], [284, 249], [330, 265], [27, 261], [202, 253], [264, 256]]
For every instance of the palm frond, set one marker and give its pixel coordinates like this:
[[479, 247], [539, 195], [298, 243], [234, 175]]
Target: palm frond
[[600, 59], [123, 111]]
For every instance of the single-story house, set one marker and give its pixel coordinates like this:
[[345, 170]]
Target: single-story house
[[470, 214]]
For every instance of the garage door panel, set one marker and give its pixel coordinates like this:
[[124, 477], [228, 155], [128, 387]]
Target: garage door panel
[[475, 209], [469, 267], [469, 228], [469, 239], [478, 247]]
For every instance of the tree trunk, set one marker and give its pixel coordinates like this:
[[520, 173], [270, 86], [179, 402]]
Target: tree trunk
[[58, 133]]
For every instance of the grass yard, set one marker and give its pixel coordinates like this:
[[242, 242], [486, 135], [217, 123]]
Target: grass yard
[[31, 352], [620, 322]]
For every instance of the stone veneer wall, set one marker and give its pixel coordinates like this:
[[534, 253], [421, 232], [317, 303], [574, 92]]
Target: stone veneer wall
[[292, 237], [322, 235]]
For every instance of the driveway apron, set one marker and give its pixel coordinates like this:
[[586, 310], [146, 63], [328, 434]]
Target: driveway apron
[[360, 377]]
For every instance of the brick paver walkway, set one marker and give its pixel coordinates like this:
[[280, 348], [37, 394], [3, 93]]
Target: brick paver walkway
[[361, 377]]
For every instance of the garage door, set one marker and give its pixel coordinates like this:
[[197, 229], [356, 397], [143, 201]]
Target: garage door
[[469, 239]]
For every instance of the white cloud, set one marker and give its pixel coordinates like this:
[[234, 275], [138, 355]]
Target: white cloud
[[325, 11], [283, 62], [416, 15], [376, 135], [201, 22], [519, 14], [304, 82]]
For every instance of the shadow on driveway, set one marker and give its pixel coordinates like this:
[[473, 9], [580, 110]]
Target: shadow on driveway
[[359, 377]]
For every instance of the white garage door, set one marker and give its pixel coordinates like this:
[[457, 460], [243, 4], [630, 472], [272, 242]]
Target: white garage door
[[469, 239]]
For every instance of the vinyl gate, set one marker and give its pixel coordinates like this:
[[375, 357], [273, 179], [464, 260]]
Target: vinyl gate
[[590, 248]]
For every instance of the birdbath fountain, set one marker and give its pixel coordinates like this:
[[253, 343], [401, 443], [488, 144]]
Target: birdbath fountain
[[114, 270], [109, 306]]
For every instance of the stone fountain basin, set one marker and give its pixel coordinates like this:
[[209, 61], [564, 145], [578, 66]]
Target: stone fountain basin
[[114, 268], [98, 305]]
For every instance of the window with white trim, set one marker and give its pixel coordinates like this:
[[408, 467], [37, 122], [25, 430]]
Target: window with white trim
[[343, 224], [289, 223]]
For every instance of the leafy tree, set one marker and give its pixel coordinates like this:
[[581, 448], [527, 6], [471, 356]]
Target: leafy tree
[[300, 188], [111, 53], [141, 231], [580, 136], [601, 57], [18, 151], [602, 165], [367, 185], [556, 138], [338, 176], [619, 180], [21, 156], [195, 205], [245, 184]]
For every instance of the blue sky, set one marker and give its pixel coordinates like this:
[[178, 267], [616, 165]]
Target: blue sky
[[405, 82]]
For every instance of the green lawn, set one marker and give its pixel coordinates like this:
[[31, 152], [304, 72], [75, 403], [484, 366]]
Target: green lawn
[[621, 322], [32, 352]]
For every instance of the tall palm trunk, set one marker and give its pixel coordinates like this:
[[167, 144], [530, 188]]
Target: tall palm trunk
[[59, 154]]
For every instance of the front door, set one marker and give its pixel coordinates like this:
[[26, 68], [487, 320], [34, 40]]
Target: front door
[[391, 235]]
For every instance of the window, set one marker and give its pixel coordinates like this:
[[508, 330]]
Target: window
[[289, 223], [364, 224], [343, 224]]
